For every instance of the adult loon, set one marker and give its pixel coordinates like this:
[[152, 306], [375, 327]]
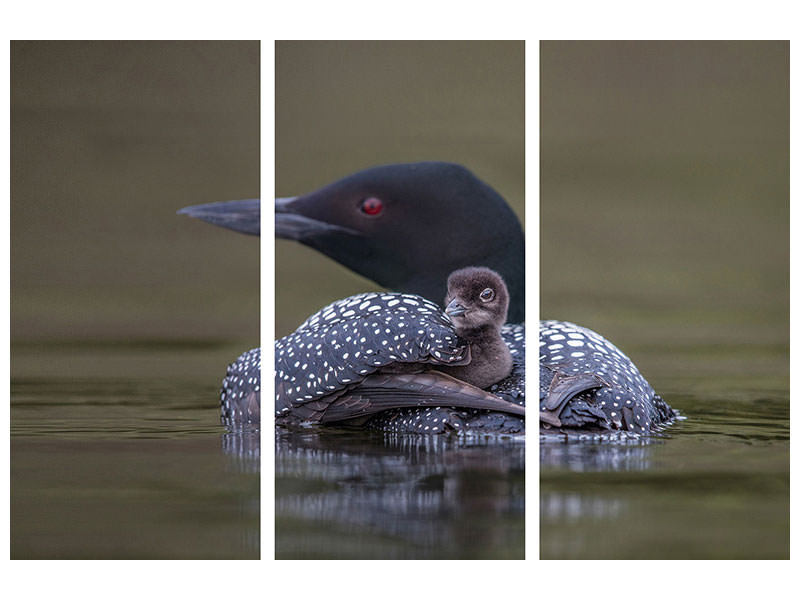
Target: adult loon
[[363, 221], [373, 352]]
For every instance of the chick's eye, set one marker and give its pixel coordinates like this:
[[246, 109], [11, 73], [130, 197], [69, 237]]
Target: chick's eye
[[371, 206], [487, 294]]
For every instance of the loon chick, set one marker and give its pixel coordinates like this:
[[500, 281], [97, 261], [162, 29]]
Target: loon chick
[[588, 387], [477, 303], [375, 352]]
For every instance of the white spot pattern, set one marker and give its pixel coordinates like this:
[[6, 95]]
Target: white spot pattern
[[597, 356], [359, 335]]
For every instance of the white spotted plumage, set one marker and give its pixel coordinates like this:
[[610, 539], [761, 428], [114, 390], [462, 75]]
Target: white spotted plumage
[[359, 335], [241, 390], [625, 400], [588, 352]]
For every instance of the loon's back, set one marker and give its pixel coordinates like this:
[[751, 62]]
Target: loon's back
[[589, 386]]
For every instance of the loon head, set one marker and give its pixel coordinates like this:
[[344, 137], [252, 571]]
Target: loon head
[[477, 301], [407, 226]]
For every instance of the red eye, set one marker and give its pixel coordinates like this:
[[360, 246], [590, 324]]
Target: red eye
[[372, 205]]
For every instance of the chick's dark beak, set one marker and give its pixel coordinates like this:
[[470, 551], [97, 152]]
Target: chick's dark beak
[[455, 309]]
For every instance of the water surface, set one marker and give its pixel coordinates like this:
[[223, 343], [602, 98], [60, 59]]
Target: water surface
[[716, 485], [124, 461]]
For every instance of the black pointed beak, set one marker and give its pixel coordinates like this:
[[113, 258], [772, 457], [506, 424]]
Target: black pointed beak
[[290, 224], [455, 309], [243, 216]]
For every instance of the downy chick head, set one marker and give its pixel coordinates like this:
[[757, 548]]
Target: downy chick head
[[477, 300]]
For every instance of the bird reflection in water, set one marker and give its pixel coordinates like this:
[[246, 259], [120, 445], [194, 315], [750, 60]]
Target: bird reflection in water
[[383, 495]]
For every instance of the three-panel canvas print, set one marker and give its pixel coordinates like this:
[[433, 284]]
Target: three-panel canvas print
[[370, 230]]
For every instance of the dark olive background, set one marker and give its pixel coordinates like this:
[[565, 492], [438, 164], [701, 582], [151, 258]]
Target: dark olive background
[[665, 226], [108, 140]]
